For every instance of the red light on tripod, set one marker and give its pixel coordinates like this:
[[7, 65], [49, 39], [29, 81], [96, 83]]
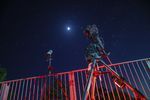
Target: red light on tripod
[[118, 82]]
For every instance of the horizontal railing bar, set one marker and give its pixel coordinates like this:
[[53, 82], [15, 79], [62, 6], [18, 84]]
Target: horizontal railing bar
[[78, 70], [111, 65]]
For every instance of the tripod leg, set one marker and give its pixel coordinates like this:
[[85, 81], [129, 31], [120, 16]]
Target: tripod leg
[[93, 88], [89, 81]]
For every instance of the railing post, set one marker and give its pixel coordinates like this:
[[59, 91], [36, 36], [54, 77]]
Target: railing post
[[5, 91], [148, 63], [72, 86]]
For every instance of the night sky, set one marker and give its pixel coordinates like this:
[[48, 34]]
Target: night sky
[[29, 28]]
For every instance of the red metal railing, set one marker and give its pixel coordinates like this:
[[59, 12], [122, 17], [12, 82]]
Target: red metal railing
[[71, 85]]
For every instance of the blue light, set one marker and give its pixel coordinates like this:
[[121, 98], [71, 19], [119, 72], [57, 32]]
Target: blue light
[[68, 28]]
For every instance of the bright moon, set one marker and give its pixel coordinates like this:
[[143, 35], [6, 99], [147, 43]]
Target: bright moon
[[68, 28]]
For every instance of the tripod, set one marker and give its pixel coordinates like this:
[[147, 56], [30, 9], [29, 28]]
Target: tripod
[[57, 83], [94, 54]]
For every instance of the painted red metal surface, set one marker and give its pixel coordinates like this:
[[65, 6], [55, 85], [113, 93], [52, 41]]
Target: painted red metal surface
[[71, 85]]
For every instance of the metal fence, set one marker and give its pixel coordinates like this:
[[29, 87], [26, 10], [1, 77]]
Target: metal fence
[[70, 85]]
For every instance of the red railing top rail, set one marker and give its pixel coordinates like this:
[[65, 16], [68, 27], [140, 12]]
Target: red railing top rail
[[78, 70]]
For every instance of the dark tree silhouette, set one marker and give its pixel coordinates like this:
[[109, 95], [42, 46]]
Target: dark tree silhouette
[[3, 74]]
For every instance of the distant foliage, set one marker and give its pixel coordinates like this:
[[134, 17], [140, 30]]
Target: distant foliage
[[3, 74]]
